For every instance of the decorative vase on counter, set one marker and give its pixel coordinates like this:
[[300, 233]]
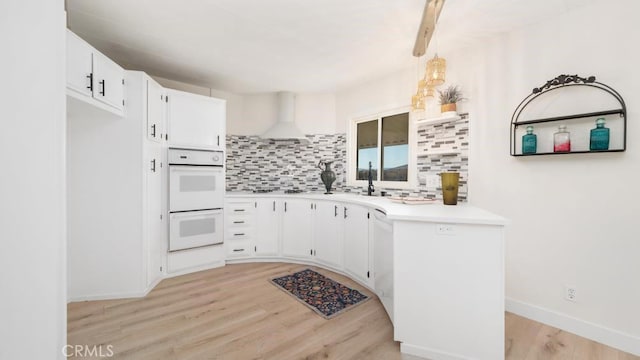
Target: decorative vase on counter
[[327, 175], [450, 182]]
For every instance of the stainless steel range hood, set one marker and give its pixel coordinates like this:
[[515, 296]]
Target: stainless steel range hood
[[285, 128]]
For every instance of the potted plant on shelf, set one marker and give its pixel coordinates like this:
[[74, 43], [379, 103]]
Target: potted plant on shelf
[[449, 97]]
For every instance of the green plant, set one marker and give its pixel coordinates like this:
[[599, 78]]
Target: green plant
[[450, 95]]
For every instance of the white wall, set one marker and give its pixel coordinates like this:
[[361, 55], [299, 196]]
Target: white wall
[[253, 114], [379, 95], [573, 216], [315, 113], [32, 191]]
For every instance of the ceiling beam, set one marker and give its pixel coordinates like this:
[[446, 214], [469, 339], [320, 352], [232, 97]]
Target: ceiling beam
[[432, 9]]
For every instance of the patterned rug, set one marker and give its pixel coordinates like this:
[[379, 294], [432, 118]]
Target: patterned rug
[[323, 295]]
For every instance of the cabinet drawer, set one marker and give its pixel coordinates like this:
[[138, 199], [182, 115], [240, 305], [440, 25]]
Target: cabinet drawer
[[238, 221], [240, 208], [239, 249], [233, 234]]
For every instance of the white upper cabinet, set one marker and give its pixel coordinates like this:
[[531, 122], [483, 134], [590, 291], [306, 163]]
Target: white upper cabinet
[[108, 81], [93, 77], [156, 111], [328, 233], [196, 120], [296, 228], [79, 65]]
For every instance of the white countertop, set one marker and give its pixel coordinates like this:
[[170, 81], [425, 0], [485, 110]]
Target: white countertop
[[460, 214]]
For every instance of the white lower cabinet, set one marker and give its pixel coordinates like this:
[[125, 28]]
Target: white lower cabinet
[[239, 227], [296, 228], [356, 242], [328, 233], [267, 226]]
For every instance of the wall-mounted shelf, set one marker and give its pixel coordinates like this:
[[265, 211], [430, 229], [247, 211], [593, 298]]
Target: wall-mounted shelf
[[579, 125], [439, 152], [447, 117]]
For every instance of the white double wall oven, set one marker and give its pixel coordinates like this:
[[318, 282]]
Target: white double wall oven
[[196, 198]]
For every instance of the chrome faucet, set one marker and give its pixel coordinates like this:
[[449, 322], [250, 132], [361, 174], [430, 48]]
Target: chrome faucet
[[370, 188]]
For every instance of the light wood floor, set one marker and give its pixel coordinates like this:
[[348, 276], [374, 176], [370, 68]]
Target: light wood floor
[[235, 313]]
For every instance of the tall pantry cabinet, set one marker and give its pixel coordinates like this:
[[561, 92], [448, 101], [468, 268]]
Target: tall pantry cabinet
[[116, 180]]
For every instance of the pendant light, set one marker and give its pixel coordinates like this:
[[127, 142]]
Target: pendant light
[[437, 66], [418, 100], [429, 91]]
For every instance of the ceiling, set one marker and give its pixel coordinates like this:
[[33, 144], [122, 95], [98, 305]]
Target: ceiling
[[252, 46]]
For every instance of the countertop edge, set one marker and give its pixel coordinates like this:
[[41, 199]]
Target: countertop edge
[[459, 214]]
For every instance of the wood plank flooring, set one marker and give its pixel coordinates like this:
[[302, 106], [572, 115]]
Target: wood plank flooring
[[235, 313]]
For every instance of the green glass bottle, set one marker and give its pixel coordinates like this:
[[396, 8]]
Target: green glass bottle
[[529, 141], [599, 136]]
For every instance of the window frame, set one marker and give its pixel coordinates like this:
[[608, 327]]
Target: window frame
[[352, 155]]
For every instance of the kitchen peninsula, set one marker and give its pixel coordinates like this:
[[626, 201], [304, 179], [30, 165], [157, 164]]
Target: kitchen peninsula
[[437, 269]]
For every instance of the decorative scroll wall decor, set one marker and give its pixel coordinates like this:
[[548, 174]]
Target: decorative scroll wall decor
[[526, 140]]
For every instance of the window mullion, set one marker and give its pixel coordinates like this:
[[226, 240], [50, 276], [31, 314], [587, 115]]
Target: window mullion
[[379, 172]]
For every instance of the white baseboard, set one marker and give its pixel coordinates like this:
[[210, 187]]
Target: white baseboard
[[428, 353], [610, 337], [190, 270], [112, 296]]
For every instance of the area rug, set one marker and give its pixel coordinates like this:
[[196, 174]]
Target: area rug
[[325, 296]]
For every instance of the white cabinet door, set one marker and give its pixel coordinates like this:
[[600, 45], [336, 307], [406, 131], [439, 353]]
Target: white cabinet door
[[156, 221], [328, 233], [155, 111], [356, 241], [267, 226], [108, 81], [296, 228], [196, 120], [79, 65]]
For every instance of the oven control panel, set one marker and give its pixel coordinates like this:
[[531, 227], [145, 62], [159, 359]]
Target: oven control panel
[[196, 157]]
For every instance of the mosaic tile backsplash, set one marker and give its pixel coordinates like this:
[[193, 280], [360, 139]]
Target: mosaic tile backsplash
[[256, 163]]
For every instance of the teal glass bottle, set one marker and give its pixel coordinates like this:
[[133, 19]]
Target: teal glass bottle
[[529, 141], [599, 136]]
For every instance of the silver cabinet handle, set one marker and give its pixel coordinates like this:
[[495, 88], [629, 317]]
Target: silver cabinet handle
[[153, 165], [274, 205], [238, 250], [345, 212], [335, 211], [153, 130], [238, 210], [238, 222], [238, 234], [285, 206]]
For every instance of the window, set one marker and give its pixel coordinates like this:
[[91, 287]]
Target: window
[[383, 143]]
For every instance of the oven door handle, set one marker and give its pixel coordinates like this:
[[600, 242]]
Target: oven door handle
[[196, 214]]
